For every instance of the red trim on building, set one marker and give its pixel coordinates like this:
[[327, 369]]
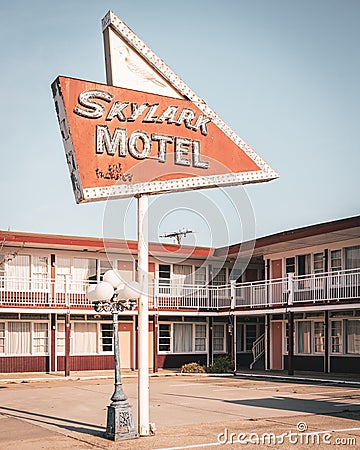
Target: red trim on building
[[291, 235], [53, 241]]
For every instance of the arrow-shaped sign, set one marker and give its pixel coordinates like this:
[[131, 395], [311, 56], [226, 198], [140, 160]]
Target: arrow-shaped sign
[[146, 132]]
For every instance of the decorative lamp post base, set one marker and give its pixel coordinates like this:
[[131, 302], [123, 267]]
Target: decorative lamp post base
[[120, 422]]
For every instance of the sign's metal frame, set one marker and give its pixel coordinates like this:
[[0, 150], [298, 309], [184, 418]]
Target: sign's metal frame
[[265, 174]]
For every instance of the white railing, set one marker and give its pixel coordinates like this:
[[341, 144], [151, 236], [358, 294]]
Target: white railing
[[181, 296], [333, 286], [42, 292], [261, 293], [316, 288], [16, 291], [258, 349]]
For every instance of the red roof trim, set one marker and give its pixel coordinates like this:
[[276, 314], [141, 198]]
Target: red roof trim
[[98, 243], [297, 233]]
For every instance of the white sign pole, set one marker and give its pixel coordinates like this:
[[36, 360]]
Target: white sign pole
[[143, 318]]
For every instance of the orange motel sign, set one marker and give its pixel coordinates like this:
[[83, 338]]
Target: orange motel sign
[[107, 131]]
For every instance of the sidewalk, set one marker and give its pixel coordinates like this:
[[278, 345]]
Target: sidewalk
[[28, 377], [300, 376]]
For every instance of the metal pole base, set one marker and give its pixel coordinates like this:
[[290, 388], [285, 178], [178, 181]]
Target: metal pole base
[[120, 422]]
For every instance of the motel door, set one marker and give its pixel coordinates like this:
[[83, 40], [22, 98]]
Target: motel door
[[276, 345], [126, 343]]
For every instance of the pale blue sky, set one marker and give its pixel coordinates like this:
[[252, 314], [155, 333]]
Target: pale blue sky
[[283, 74]]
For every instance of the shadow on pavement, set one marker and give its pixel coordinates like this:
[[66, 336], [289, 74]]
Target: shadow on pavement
[[71, 425], [327, 406], [323, 406]]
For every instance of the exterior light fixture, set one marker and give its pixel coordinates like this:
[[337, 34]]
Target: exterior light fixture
[[113, 296]]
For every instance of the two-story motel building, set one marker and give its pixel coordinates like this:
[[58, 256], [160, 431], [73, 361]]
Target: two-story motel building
[[295, 307]]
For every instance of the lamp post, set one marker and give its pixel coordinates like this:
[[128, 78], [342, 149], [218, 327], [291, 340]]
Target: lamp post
[[110, 295]]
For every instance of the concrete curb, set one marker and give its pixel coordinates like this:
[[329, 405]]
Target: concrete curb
[[297, 378], [176, 374]]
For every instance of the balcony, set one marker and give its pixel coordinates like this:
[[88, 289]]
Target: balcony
[[332, 287]]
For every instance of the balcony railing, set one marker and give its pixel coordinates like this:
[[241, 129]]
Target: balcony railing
[[316, 288], [43, 292], [191, 296]]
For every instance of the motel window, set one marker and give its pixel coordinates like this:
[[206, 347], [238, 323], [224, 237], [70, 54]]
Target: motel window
[[310, 336], [303, 264], [286, 338], [200, 338], [345, 336], [218, 337], [84, 338], [19, 267], [246, 335], [164, 337], [353, 336], [18, 273], [60, 338], [63, 273], [336, 336], [335, 266], [2, 337], [352, 257], [219, 276], [304, 336], [40, 267], [19, 338], [23, 338], [319, 335], [290, 265], [182, 337], [40, 339], [181, 274], [164, 274], [318, 262], [200, 276], [83, 269], [335, 260], [40, 273], [106, 337]]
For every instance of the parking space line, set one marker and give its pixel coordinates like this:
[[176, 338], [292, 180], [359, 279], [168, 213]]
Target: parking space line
[[213, 444], [210, 444], [230, 389]]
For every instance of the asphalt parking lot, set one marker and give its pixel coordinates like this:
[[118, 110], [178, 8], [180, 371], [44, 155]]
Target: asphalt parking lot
[[189, 412]]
